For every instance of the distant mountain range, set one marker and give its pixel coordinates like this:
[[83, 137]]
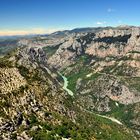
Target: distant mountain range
[[64, 32]]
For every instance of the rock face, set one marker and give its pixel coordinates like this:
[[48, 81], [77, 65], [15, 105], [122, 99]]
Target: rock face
[[106, 43], [115, 90], [72, 47], [30, 56], [98, 94], [28, 93], [10, 80]]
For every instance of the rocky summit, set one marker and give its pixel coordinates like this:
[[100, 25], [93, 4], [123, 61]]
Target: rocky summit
[[82, 84]]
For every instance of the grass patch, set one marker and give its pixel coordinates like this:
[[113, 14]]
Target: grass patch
[[134, 82], [50, 50], [72, 78], [5, 63]]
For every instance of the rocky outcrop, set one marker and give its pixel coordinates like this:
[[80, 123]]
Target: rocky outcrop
[[97, 95], [117, 42], [31, 56], [115, 90], [10, 80], [27, 94]]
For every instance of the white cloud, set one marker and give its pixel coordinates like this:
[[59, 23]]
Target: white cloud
[[9, 32], [110, 10], [101, 23]]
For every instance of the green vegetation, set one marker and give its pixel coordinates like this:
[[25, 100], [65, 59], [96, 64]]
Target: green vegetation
[[72, 78], [66, 129], [122, 112], [134, 82], [33, 119], [4, 63], [99, 128], [79, 70], [43, 135], [7, 45], [124, 70], [24, 71], [50, 50], [14, 136], [82, 73], [108, 69], [29, 76], [134, 52]]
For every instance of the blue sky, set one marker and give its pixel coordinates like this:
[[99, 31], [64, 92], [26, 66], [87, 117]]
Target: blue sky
[[45, 16]]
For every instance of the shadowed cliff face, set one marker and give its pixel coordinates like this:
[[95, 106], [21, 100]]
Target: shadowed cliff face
[[102, 44]]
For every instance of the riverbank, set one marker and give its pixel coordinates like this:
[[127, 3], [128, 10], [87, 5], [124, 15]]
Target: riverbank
[[65, 87]]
